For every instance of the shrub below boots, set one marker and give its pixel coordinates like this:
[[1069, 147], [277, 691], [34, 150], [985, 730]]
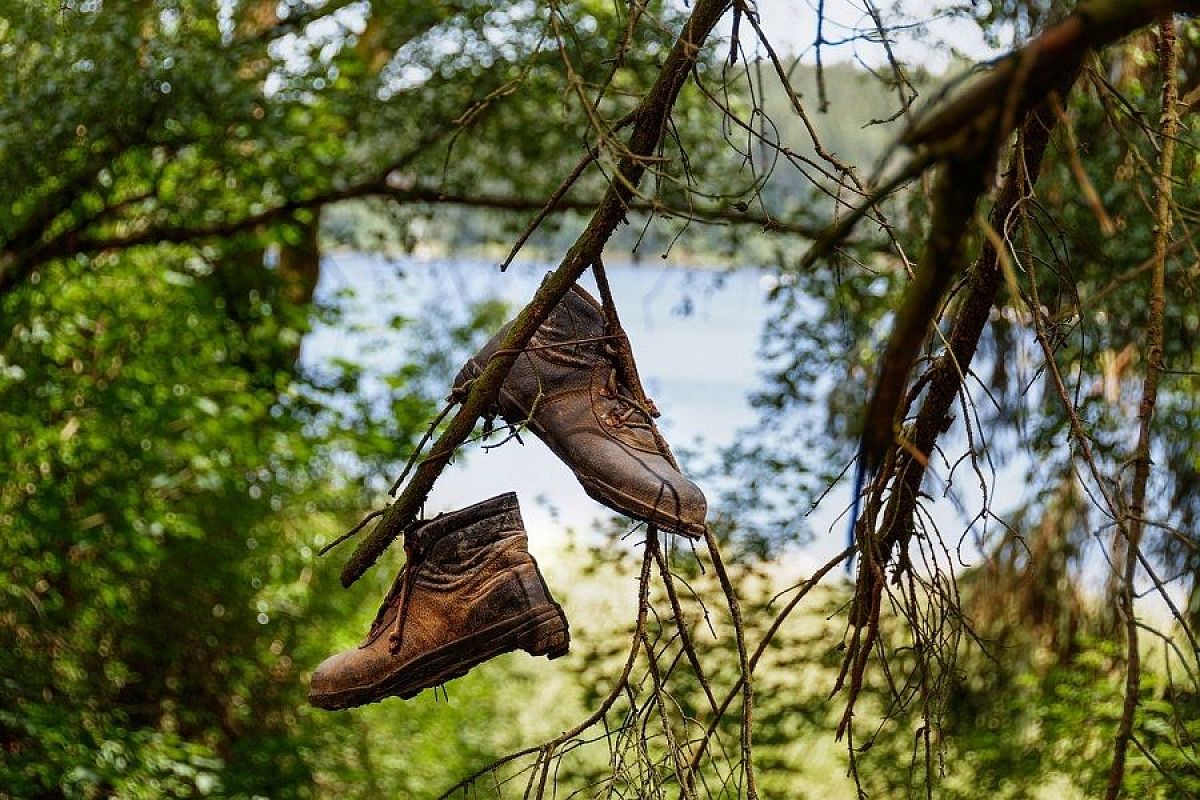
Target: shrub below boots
[[567, 388], [470, 591]]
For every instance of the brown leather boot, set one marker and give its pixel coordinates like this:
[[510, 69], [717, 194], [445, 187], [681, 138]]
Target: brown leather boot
[[567, 387], [470, 591]]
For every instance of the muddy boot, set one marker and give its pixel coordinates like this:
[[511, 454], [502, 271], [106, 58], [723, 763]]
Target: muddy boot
[[568, 388], [470, 591]]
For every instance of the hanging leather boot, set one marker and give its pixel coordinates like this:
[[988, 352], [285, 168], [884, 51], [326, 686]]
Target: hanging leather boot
[[569, 389], [469, 591]]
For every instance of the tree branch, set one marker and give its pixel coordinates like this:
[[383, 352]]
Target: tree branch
[[996, 102], [652, 115], [905, 469], [1168, 61], [15, 265]]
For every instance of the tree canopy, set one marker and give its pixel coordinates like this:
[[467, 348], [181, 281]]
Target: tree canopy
[[976, 271]]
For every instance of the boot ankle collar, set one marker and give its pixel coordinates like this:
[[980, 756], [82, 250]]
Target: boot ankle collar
[[423, 535]]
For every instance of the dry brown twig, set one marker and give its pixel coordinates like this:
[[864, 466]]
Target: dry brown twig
[[1169, 126]]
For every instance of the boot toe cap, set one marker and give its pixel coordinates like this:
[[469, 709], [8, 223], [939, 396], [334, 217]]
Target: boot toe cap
[[334, 680], [670, 501]]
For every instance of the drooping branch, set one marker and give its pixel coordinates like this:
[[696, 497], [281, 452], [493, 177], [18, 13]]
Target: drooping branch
[[959, 185], [747, 688], [965, 135], [881, 529], [968, 125], [945, 377], [802, 591], [651, 122]]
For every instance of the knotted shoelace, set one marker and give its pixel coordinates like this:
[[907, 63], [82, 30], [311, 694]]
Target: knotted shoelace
[[627, 412]]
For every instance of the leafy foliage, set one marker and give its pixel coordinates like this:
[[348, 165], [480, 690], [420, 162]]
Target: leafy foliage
[[169, 474]]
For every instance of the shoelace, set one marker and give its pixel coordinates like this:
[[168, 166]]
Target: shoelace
[[405, 581], [628, 412]]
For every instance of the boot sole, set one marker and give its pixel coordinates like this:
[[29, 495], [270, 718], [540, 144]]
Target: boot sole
[[603, 493], [539, 633]]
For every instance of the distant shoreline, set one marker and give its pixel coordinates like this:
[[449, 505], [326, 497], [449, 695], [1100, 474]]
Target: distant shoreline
[[533, 255]]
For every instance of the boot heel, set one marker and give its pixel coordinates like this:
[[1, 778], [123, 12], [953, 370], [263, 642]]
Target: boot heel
[[550, 638]]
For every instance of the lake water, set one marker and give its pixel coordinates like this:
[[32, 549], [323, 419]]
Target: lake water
[[699, 367]]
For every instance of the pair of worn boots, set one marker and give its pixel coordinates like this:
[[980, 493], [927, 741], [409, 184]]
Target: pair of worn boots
[[470, 590]]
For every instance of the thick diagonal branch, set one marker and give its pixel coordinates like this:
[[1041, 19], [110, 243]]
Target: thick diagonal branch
[[652, 115], [1020, 81], [978, 118]]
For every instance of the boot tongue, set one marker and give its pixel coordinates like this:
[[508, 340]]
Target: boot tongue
[[456, 538], [423, 535]]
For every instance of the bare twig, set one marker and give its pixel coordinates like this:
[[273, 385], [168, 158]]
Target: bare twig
[[617, 690], [1169, 125], [739, 631]]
